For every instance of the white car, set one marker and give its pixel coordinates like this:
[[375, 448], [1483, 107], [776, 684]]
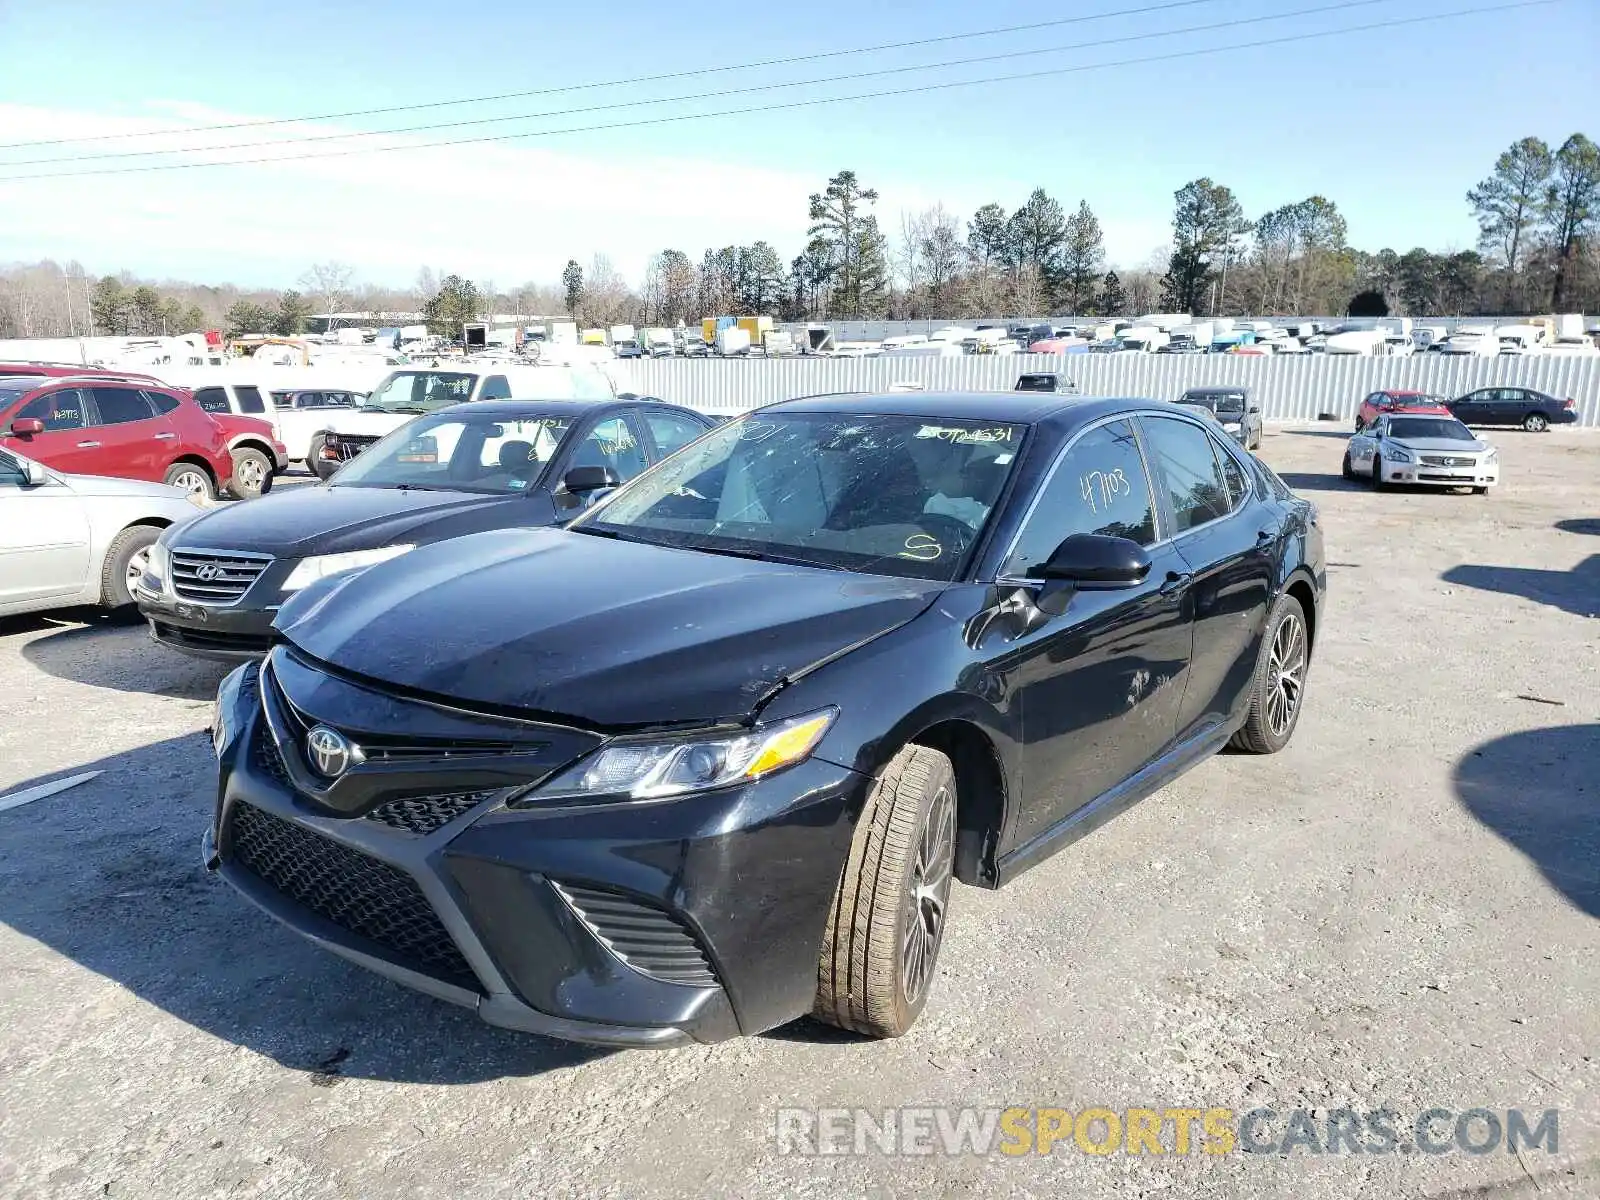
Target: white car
[[76, 539], [1427, 450]]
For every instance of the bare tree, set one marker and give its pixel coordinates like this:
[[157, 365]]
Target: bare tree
[[328, 285], [908, 261], [942, 256]]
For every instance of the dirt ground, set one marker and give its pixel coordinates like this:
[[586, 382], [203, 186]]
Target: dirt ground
[[1400, 910]]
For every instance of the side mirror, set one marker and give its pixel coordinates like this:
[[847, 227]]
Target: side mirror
[[33, 474], [1098, 561], [1255, 408], [27, 426], [589, 479]]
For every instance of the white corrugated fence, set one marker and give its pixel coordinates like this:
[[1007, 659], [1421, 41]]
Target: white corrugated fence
[[1290, 387]]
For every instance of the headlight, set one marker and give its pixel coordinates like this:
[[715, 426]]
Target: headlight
[[157, 567], [312, 569], [1395, 454], [655, 770]]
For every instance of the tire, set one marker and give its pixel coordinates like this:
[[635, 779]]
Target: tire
[[123, 558], [1536, 422], [322, 470], [1274, 709], [1347, 470], [884, 931], [1360, 425], [192, 478], [252, 475], [1480, 491], [1377, 472]]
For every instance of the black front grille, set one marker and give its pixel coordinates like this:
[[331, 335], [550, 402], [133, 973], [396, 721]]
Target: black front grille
[[265, 757], [648, 939], [423, 814], [211, 639], [215, 576], [355, 892], [348, 446]]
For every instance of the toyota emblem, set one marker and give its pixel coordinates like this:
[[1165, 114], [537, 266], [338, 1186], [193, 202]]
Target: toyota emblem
[[330, 751], [207, 572]]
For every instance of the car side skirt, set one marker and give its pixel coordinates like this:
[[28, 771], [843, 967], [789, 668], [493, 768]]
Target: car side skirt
[[1156, 775]]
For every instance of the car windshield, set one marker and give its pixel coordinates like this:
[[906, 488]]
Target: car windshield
[[885, 495], [1224, 402], [460, 453], [421, 391], [1430, 427], [1036, 383], [10, 389]]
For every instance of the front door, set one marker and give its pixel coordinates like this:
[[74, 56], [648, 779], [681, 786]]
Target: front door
[[44, 539], [1229, 544], [67, 444], [1100, 684]]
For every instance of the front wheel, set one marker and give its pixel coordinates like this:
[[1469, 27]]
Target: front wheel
[[887, 921], [1278, 685], [1377, 471], [124, 564], [252, 475], [1535, 423], [191, 478], [1480, 491], [321, 468], [1348, 471]]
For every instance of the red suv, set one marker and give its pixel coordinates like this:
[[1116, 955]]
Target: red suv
[[1394, 400], [115, 425]]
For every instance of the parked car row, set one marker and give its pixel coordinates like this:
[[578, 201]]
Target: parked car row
[[1510, 406]]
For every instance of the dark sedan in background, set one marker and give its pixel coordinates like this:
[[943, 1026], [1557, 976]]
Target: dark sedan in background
[[709, 758], [1533, 411], [1234, 408], [212, 588]]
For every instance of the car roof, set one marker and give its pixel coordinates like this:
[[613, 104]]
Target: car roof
[[1025, 408], [514, 409]]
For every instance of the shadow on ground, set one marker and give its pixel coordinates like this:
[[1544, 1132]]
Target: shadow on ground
[[114, 650], [108, 875], [1576, 591], [1306, 481], [1538, 791], [1342, 432], [1588, 525]]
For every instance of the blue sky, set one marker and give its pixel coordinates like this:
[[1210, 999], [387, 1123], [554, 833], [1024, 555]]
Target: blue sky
[[1393, 125]]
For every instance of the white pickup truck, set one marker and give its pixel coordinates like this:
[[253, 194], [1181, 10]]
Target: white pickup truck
[[414, 391], [299, 416]]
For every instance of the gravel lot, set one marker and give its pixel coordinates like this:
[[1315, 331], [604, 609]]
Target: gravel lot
[[1400, 909]]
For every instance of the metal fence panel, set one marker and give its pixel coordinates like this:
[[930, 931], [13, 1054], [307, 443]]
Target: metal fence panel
[[1290, 387]]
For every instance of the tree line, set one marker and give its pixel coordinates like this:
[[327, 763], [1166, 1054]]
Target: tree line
[[1537, 211]]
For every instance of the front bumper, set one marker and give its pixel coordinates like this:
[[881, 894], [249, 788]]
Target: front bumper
[[1429, 475], [232, 634], [647, 924]]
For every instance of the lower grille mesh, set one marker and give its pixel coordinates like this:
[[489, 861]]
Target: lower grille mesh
[[648, 939], [355, 892], [423, 814]]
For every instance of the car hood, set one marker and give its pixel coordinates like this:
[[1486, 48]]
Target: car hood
[[605, 633], [331, 520], [366, 422], [1441, 445], [104, 485]]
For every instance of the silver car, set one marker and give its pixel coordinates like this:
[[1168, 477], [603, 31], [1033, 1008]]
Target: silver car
[[1427, 450], [76, 539]]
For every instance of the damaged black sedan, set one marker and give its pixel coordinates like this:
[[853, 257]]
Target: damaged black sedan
[[710, 758]]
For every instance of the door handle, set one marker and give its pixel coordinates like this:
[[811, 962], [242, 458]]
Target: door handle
[[1176, 584], [88, 445], [164, 437]]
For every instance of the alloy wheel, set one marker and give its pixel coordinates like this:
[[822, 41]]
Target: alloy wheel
[[136, 566], [928, 896], [1535, 423], [193, 482], [1286, 670], [251, 474]]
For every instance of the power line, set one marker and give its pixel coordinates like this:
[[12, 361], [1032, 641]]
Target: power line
[[1033, 52], [796, 104], [581, 87]]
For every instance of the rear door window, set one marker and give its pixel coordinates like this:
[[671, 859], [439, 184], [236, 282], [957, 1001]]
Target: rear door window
[[212, 399], [121, 406], [495, 388], [250, 400], [1196, 489]]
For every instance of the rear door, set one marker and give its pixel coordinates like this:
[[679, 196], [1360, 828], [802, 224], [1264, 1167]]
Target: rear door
[[44, 539], [135, 443], [1229, 543], [68, 443], [1504, 406]]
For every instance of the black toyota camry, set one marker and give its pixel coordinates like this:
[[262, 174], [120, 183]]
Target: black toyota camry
[[212, 587], [709, 758]]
